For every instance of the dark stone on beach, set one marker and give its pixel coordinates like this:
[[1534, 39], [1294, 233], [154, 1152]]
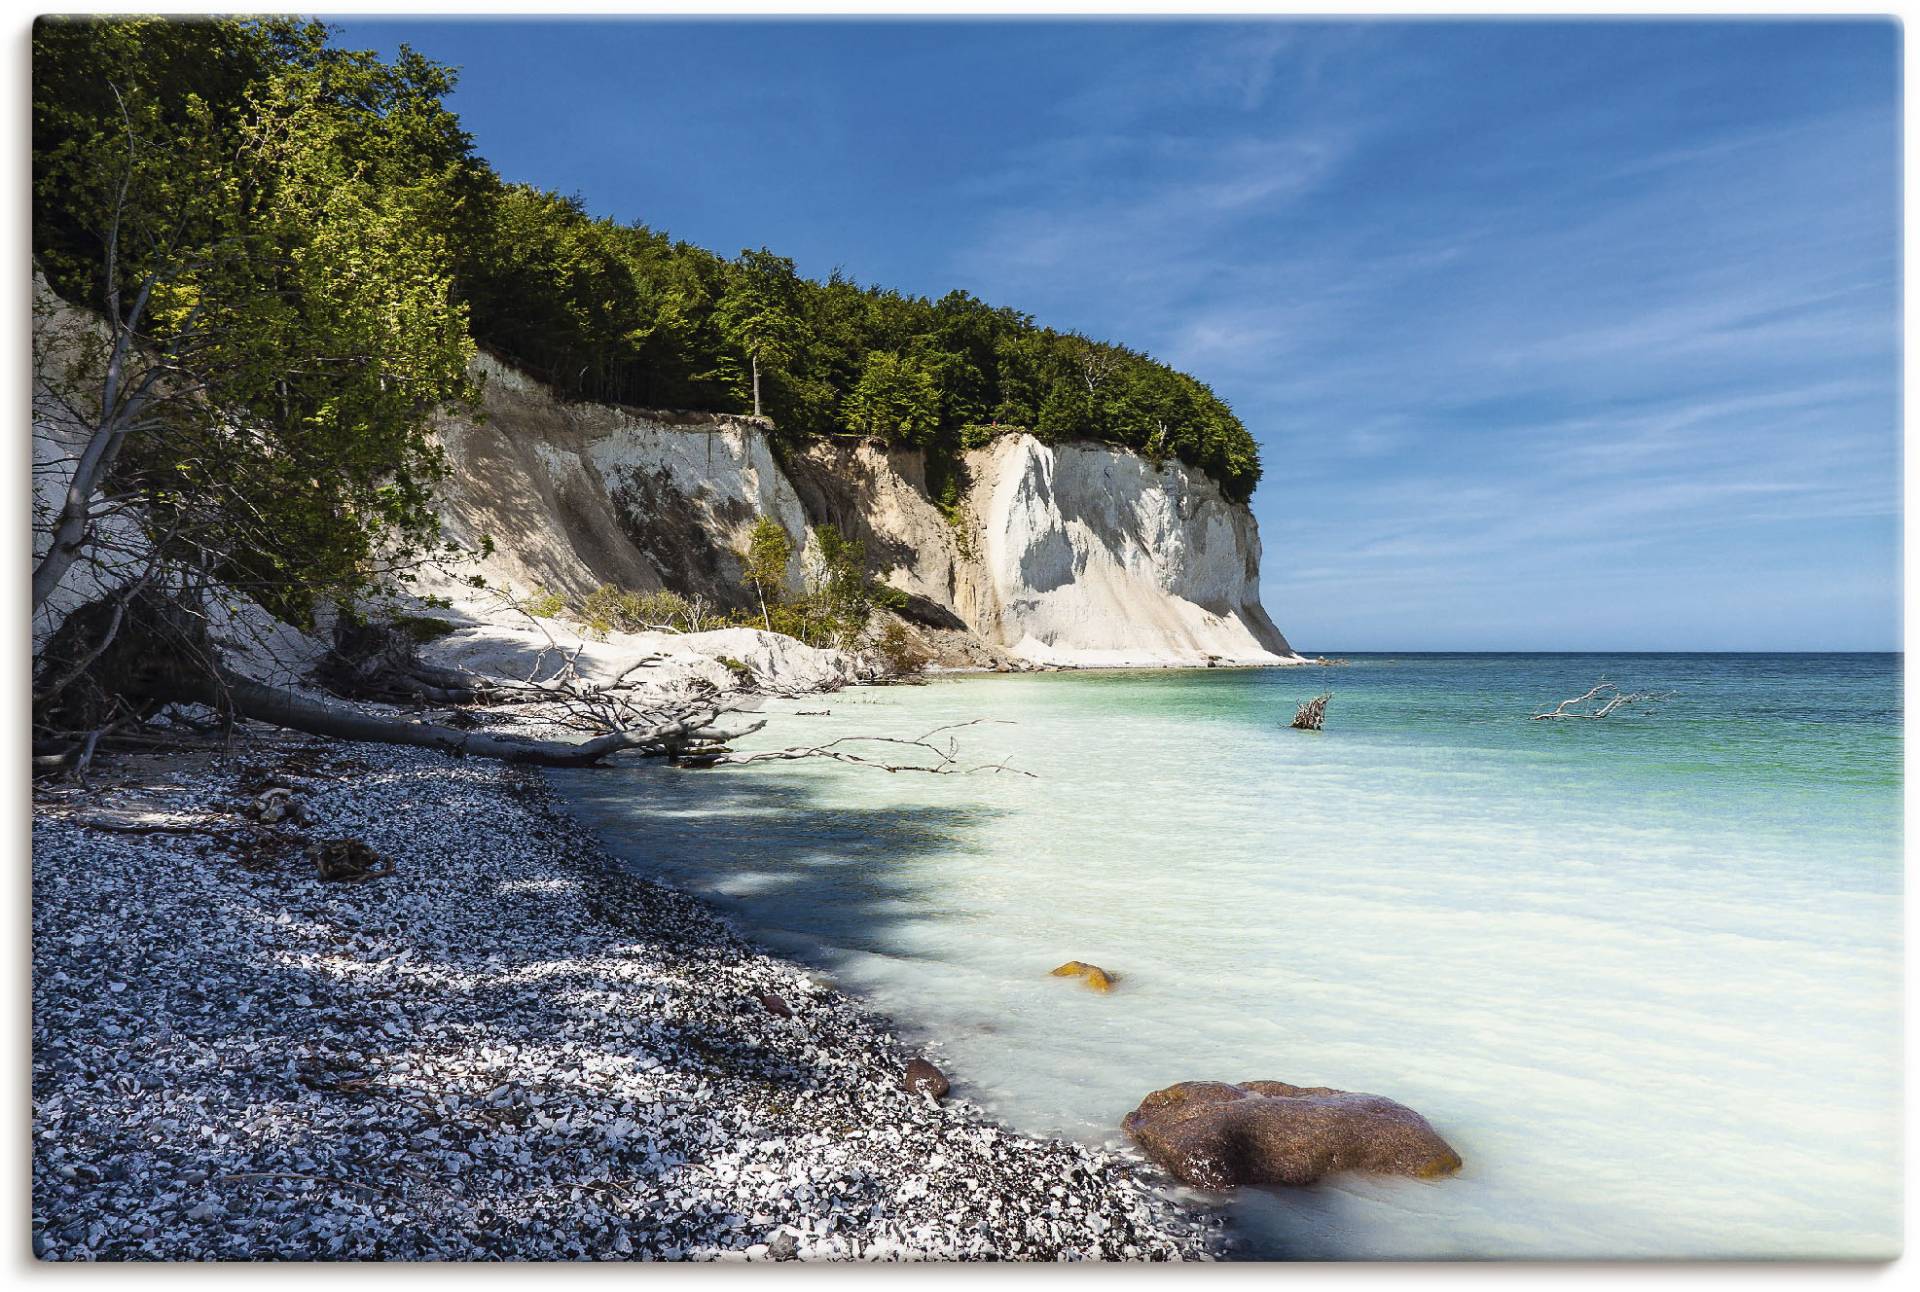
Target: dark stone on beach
[[775, 1006], [784, 1247], [924, 1079], [1214, 1135], [348, 860]]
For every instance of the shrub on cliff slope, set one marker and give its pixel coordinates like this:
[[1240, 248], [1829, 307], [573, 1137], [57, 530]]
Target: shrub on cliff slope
[[897, 653], [840, 593], [612, 609]]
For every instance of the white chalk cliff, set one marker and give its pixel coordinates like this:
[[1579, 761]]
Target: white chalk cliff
[[1092, 555], [1077, 554]]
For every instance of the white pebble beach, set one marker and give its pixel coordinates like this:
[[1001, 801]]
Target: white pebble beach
[[506, 1049]]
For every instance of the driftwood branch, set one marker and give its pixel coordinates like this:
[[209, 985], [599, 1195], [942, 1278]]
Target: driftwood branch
[[1602, 700], [380, 662], [1312, 714], [946, 760], [670, 737]]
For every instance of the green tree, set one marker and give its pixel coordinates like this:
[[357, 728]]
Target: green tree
[[760, 312], [279, 325], [764, 563], [840, 585], [895, 399]]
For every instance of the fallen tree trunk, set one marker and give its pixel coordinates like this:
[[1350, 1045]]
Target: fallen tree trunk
[[684, 734], [380, 662], [159, 652]]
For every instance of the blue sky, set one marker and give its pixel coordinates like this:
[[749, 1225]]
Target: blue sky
[[1554, 335]]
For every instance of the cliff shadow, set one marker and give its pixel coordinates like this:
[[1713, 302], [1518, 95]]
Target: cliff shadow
[[840, 495], [811, 880]]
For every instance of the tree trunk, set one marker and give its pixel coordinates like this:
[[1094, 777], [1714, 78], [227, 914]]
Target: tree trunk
[[117, 419], [70, 529], [283, 709], [755, 360]]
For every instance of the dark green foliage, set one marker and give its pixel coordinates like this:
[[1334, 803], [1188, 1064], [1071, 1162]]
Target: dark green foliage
[[896, 399], [616, 312], [599, 310], [88, 76], [275, 210]]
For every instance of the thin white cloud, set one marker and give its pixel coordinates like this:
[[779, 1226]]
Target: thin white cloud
[[1518, 366]]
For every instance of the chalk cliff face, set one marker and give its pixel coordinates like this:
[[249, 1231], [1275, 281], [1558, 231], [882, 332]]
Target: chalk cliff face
[[1070, 554], [1091, 555], [577, 495]]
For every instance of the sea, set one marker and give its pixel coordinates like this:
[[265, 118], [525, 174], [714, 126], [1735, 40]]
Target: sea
[[1642, 972]]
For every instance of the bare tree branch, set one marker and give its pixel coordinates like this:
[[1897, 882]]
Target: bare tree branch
[[946, 757], [1602, 700]]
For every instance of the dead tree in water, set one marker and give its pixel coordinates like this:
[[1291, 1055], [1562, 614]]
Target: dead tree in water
[[1311, 714], [1602, 700]]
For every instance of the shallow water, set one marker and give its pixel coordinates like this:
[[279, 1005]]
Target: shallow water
[[1643, 973]]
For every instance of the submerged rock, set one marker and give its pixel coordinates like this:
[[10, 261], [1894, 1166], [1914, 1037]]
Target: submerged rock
[[1215, 1135], [924, 1079], [1092, 975]]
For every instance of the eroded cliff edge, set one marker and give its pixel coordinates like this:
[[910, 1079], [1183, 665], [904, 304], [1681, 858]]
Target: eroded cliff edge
[[1068, 554]]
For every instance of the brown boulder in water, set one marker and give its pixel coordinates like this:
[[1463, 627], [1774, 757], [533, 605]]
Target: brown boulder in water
[[1214, 1135], [924, 1079], [1092, 975]]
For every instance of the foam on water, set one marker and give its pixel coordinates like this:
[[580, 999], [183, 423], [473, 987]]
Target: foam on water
[[1644, 974]]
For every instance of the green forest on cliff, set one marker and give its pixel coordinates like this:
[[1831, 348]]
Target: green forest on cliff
[[306, 190]]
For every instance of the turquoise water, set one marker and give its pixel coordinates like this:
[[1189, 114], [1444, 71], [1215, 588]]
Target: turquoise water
[[1643, 973]]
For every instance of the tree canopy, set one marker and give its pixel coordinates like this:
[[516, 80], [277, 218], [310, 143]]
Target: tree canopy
[[258, 218], [380, 213]]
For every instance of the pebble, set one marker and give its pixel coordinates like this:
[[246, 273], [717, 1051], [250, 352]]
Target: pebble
[[508, 1049]]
